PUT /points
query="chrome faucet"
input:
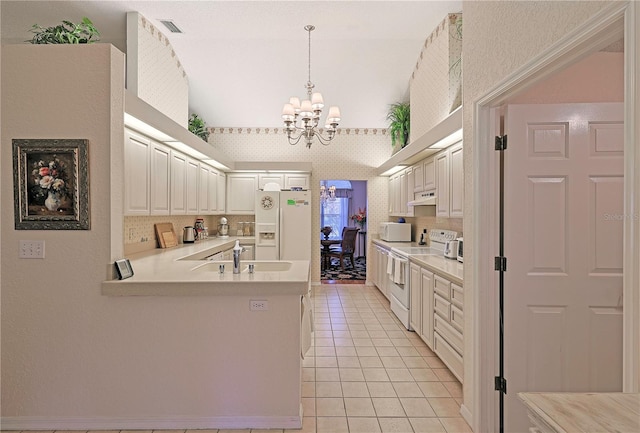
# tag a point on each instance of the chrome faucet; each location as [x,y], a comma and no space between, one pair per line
[237,250]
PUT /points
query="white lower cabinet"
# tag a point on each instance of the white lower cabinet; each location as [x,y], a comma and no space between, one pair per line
[415,318]
[426,288]
[381,260]
[448,324]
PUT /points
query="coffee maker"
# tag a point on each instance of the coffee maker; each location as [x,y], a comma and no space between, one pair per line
[223,228]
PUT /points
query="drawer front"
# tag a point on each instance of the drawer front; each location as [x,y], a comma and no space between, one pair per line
[449,356]
[449,333]
[441,306]
[457,295]
[457,318]
[442,287]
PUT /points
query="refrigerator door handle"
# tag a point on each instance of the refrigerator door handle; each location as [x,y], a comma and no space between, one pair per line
[279,227]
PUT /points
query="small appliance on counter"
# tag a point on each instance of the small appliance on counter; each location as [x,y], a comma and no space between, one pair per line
[460,250]
[223,228]
[423,237]
[451,249]
[395,232]
[189,235]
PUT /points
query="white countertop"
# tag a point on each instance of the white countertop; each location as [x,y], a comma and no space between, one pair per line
[161,272]
[583,412]
[451,269]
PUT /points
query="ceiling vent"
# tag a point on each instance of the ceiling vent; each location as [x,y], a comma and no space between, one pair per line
[171,26]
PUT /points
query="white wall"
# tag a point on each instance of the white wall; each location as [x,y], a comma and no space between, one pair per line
[499,37]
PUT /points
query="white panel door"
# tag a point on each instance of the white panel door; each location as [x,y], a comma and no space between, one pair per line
[563,241]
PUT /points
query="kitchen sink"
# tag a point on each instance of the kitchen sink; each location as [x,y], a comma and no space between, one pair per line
[258,266]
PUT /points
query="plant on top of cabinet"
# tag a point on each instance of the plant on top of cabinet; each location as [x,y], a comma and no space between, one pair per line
[198,127]
[399,123]
[65,33]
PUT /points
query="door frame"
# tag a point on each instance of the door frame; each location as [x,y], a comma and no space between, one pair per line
[602,29]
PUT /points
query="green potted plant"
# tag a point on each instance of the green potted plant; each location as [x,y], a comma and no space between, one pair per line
[399,123]
[198,127]
[66,33]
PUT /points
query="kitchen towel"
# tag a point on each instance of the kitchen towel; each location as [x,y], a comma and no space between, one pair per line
[390,265]
[398,270]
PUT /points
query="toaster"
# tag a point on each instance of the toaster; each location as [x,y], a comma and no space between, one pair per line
[451,249]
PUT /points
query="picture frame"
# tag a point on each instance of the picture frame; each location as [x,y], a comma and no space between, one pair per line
[124,269]
[51,184]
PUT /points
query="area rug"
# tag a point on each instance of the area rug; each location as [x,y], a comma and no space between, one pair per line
[335,273]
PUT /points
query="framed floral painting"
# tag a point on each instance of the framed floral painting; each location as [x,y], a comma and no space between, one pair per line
[51,184]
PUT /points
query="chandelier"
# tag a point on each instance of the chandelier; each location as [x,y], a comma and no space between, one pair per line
[302,119]
[327,195]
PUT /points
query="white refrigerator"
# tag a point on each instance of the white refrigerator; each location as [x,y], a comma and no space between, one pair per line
[283,225]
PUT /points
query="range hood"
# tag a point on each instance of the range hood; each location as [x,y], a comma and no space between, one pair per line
[423,199]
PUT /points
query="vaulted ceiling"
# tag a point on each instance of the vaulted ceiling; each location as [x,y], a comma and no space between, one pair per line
[244,59]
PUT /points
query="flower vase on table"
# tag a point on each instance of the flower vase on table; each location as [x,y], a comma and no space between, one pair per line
[360,218]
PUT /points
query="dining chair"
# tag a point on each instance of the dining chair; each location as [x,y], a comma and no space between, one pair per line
[347,246]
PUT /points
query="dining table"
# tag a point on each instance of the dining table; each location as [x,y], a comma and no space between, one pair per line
[326,249]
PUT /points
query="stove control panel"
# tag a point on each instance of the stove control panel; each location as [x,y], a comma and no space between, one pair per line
[442,236]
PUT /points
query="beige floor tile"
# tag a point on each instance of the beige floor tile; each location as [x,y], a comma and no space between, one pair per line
[329,406]
[375,327]
[340,327]
[362,342]
[263,431]
[343,342]
[346,351]
[328,374]
[118,431]
[433,389]
[381,389]
[341,334]
[332,424]
[351,375]
[407,351]
[309,360]
[399,375]
[455,425]
[414,362]
[375,375]
[395,425]
[328,389]
[355,389]
[326,361]
[378,334]
[454,388]
[401,342]
[423,374]
[444,375]
[308,374]
[363,425]
[427,425]
[392,362]
[425,351]
[417,407]
[326,351]
[366,351]
[407,389]
[309,389]
[219,431]
[348,362]
[357,327]
[359,406]
[388,407]
[387,351]
[324,342]
[360,334]
[308,425]
[382,342]
[434,362]
[323,334]
[309,406]
[370,362]
[444,407]
[126,431]
[321,326]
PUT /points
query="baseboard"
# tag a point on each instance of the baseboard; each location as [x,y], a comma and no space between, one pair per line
[151,423]
[466,414]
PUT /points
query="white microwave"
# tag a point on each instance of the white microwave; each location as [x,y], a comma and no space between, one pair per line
[395,232]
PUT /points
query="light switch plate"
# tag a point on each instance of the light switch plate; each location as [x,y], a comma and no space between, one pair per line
[31,250]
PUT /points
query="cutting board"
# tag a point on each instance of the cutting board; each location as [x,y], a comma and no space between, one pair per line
[166,235]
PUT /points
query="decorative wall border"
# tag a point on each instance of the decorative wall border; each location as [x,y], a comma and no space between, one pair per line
[433,36]
[147,26]
[274,131]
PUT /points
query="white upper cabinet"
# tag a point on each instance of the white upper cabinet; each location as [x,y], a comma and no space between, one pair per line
[222,194]
[418,177]
[456,185]
[160,182]
[193,171]
[442,184]
[241,192]
[213,190]
[429,179]
[296,180]
[137,174]
[178,183]
[203,189]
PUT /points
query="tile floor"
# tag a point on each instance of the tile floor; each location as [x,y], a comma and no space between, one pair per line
[365,373]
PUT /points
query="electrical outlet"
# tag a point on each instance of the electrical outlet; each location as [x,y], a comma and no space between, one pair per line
[31,250]
[259,305]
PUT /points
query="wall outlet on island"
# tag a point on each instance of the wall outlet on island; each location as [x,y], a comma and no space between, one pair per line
[259,305]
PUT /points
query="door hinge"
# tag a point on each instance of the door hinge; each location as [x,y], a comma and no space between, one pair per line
[500,384]
[501,263]
[501,142]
